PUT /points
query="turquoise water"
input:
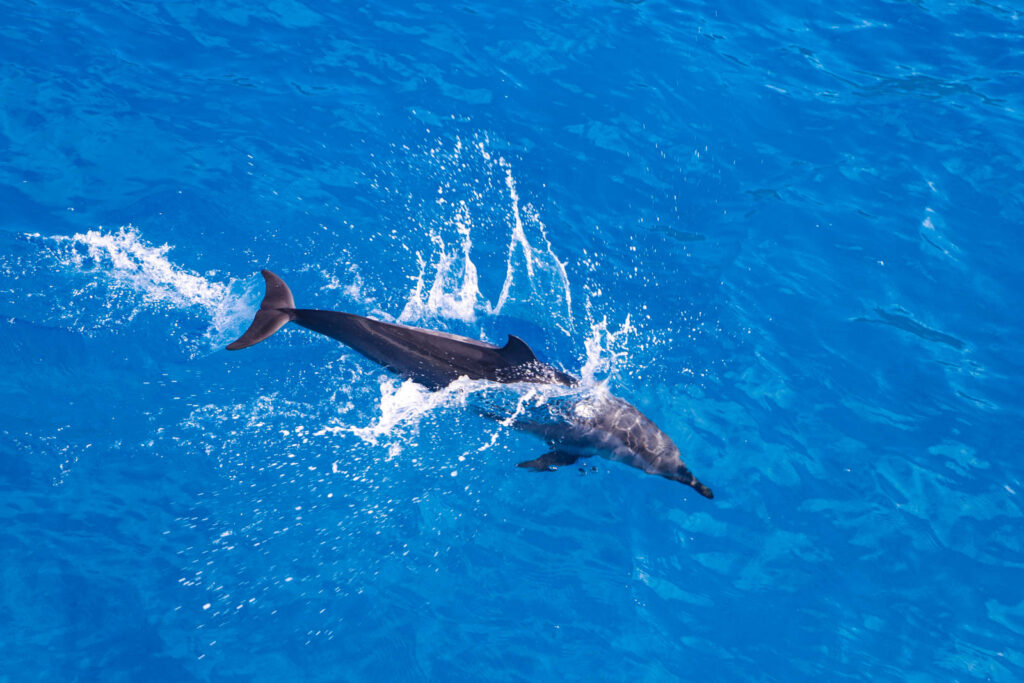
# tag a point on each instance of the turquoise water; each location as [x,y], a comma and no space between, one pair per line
[789,235]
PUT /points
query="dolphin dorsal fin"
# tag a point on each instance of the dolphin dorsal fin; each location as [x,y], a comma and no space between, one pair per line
[516,352]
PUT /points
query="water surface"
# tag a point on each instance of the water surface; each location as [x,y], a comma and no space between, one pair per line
[789,235]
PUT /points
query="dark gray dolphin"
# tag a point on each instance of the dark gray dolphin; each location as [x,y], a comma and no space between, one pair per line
[602,425]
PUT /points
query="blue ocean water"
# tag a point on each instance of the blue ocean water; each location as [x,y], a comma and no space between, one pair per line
[789,233]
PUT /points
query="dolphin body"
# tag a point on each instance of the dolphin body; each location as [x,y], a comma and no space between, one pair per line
[606,426]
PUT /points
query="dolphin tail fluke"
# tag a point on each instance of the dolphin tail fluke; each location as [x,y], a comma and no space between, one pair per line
[277,308]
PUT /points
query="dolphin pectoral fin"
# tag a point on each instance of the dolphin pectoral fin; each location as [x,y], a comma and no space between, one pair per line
[550,461]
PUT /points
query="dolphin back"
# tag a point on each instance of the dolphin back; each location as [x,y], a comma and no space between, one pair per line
[434,359]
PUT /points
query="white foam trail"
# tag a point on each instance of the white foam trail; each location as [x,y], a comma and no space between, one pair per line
[126,261]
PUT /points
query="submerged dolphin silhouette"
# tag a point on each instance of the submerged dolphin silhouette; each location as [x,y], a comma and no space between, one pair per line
[607,425]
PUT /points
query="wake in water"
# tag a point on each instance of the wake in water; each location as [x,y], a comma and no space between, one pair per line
[103,280]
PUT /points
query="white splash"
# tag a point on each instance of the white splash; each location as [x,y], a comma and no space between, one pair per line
[400,402]
[403,404]
[353,288]
[606,351]
[534,260]
[536,281]
[455,290]
[535,287]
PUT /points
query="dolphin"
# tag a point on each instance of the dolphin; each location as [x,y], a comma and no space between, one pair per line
[602,425]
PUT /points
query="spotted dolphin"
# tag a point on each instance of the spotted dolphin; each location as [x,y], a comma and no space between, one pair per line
[599,425]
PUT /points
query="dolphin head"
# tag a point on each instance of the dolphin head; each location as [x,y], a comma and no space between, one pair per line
[626,435]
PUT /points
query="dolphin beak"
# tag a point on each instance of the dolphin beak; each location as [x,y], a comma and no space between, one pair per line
[701,489]
[685,476]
